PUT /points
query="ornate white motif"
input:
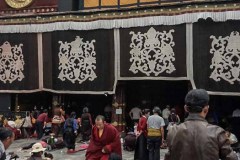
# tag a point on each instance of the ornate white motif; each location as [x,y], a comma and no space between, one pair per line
[226,58]
[11,63]
[152,52]
[77,60]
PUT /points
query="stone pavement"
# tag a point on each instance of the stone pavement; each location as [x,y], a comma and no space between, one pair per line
[59,154]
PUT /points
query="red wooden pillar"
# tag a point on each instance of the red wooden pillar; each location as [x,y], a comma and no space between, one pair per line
[118,105]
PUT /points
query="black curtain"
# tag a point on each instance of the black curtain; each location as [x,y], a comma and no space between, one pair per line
[19,55]
[96,45]
[212,41]
[137,41]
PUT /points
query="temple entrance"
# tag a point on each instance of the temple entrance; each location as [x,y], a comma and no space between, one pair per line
[31,101]
[225,112]
[141,94]
[147,94]
[69,102]
[95,103]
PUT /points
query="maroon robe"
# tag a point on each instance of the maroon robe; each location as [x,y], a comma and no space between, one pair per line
[142,125]
[110,141]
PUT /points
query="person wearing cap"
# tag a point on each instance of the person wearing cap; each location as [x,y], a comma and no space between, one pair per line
[196,138]
[37,152]
[155,134]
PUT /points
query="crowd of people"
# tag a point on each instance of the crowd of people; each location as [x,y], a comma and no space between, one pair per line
[194,139]
[48,125]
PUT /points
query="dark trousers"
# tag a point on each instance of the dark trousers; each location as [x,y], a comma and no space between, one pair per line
[165,128]
[86,131]
[141,151]
[154,144]
[108,117]
[26,132]
[69,138]
[39,129]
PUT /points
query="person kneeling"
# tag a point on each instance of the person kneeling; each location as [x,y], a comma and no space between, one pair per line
[104,141]
[37,152]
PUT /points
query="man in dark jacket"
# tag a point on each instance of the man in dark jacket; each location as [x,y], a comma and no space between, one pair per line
[196,138]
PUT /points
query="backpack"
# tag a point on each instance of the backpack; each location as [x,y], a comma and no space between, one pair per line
[69,125]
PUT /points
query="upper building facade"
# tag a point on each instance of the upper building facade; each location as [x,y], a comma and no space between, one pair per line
[85,47]
[88,46]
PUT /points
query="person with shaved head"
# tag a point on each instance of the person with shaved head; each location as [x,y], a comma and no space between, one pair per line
[104,142]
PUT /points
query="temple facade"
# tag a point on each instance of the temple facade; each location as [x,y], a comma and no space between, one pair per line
[122,53]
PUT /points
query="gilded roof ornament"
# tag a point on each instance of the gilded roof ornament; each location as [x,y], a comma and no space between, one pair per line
[18,3]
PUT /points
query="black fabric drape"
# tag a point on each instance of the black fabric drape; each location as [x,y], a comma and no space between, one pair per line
[29,51]
[178,48]
[203,41]
[103,42]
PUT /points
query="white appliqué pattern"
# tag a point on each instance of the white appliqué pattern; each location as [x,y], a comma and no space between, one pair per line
[226,58]
[152,52]
[11,63]
[77,60]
